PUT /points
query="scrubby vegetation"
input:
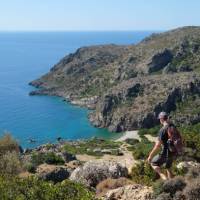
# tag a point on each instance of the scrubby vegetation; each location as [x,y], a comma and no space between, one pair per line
[38,158]
[182,187]
[152,131]
[142,173]
[32,188]
[178,188]
[141,149]
[110,184]
[9,156]
[92,147]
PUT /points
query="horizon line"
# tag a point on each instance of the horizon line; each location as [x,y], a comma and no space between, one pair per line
[136,30]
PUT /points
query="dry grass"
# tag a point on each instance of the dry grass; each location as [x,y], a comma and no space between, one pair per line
[8,144]
[110,184]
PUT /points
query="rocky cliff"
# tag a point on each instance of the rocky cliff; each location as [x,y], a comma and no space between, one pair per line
[127,86]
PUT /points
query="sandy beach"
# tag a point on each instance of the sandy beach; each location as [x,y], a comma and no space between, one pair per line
[129,134]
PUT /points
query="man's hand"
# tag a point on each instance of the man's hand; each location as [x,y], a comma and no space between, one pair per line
[149,159]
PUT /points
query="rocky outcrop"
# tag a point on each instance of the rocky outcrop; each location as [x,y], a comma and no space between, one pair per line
[187,165]
[53,173]
[93,172]
[130,192]
[127,86]
[120,112]
[160,60]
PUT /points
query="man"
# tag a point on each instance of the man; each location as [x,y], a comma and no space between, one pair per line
[165,156]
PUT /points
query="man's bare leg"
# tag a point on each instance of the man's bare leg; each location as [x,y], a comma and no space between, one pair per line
[158,170]
[169,174]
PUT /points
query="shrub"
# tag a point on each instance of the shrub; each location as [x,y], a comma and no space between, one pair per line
[109,184]
[88,146]
[132,141]
[40,158]
[10,163]
[152,131]
[192,191]
[193,173]
[52,158]
[30,167]
[143,173]
[158,187]
[32,188]
[141,150]
[7,143]
[37,158]
[173,185]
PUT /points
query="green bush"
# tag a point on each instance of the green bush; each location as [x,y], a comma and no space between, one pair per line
[30,167]
[37,158]
[52,158]
[152,131]
[141,149]
[191,136]
[88,146]
[132,141]
[32,188]
[49,158]
[143,173]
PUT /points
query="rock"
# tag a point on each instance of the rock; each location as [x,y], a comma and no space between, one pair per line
[97,150]
[93,172]
[129,192]
[160,60]
[106,151]
[186,165]
[67,157]
[73,164]
[53,173]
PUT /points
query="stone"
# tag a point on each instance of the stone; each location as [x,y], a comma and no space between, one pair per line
[130,192]
[67,157]
[93,172]
[53,173]
[186,165]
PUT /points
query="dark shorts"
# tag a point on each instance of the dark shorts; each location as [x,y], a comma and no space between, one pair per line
[160,160]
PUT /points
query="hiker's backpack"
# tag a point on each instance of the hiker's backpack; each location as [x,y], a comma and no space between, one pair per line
[175,140]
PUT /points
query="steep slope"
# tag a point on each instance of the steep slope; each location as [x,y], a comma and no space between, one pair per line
[127,86]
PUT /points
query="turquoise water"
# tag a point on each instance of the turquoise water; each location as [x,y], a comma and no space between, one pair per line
[25,56]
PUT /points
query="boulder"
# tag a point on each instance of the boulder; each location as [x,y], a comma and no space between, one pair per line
[186,165]
[53,173]
[93,172]
[130,192]
[67,157]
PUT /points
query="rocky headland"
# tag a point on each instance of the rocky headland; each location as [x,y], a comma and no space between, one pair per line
[127,86]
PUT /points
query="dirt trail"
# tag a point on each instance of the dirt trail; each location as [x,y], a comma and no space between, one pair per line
[126,159]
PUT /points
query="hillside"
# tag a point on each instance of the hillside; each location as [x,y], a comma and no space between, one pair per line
[127,86]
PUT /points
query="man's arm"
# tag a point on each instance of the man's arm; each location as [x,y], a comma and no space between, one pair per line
[155,148]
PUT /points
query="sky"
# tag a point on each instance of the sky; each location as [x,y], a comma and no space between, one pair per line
[97,15]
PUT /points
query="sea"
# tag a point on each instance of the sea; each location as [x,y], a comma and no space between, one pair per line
[25,56]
